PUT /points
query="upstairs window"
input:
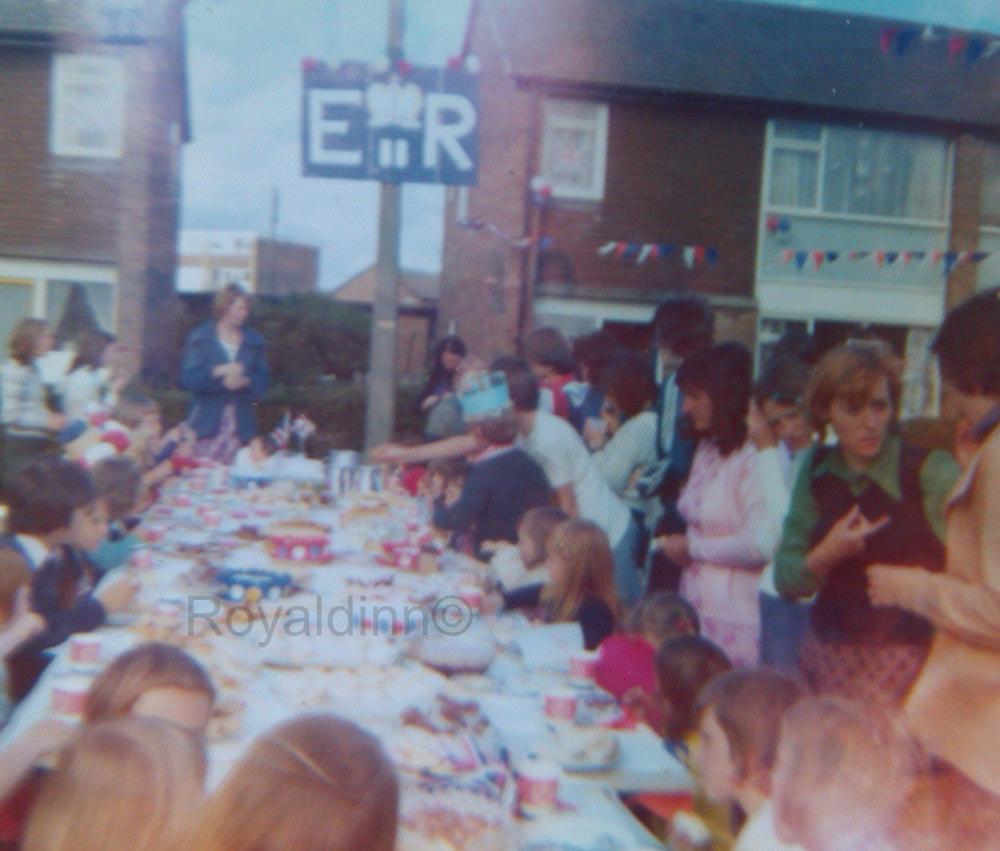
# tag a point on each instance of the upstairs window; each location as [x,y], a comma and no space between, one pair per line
[857,171]
[88,106]
[574,148]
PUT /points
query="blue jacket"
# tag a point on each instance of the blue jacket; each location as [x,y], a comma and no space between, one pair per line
[202,353]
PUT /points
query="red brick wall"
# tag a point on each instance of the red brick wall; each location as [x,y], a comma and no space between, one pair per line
[676,176]
[965,216]
[50,207]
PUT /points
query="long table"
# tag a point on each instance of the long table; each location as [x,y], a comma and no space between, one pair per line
[281,663]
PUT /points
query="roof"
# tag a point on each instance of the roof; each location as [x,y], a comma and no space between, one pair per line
[416,289]
[757,54]
[39,19]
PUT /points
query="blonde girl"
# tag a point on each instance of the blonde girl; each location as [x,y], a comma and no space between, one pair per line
[126,785]
[316,781]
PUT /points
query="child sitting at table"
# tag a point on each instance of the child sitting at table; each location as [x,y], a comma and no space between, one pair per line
[843,774]
[525,563]
[581,587]
[504,481]
[118,482]
[126,785]
[153,680]
[627,660]
[739,722]
[316,781]
[53,507]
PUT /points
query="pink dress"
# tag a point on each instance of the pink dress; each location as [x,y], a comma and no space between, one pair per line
[723,505]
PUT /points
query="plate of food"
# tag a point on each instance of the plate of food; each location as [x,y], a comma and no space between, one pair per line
[581,749]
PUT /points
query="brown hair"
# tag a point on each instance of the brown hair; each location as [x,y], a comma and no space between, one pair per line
[132,408]
[548,347]
[92,348]
[126,785]
[316,781]
[14,575]
[837,757]
[498,430]
[118,481]
[225,297]
[850,373]
[968,345]
[149,666]
[684,664]
[24,338]
[663,614]
[584,549]
[449,469]
[537,525]
[749,705]
[724,372]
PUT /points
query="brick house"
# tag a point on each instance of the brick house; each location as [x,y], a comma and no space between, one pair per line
[93,113]
[208,260]
[752,130]
[418,307]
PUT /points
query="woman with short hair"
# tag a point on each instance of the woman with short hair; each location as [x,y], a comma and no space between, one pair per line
[869,499]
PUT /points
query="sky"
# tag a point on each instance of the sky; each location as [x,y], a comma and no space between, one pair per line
[245,82]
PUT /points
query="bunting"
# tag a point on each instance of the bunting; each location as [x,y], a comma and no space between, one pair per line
[957,46]
[642,252]
[543,243]
[881,258]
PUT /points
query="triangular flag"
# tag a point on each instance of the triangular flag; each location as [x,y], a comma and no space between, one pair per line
[907,256]
[956,44]
[787,255]
[979,256]
[964,257]
[918,255]
[631,250]
[620,249]
[885,40]
[818,259]
[992,50]
[644,253]
[699,254]
[859,255]
[974,50]
[831,256]
[666,249]
[879,258]
[711,256]
[936,257]
[689,256]
[950,258]
[891,257]
[800,258]
[607,248]
[654,251]
[930,34]
[904,38]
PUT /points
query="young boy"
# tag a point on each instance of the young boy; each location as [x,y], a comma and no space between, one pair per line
[739,724]
[52,505]
[504,481]
[118,483]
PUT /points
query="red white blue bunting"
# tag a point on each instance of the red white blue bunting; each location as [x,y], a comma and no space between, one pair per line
[948,260]
[641,252]
[898,41]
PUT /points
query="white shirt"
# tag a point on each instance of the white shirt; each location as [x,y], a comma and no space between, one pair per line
[758,833]
[556,446]
[777,469]
[84,388]
[631,447]
[36,551]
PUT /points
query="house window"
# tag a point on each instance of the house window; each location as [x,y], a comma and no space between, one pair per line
[16,302]
[88,106]
[574,148]
[856,171]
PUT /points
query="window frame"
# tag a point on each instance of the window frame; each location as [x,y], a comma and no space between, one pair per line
[599,127]
[65,71]
[774,142]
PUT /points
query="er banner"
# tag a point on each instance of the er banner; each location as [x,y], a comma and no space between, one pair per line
[417,126]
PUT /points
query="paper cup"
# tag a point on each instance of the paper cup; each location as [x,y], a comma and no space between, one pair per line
[583,665]
[68,694]
[85,648]
[560,705]
[538,787]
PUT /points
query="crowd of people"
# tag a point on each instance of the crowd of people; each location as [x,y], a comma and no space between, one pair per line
[803,603]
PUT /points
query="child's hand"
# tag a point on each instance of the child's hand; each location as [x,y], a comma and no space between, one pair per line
[492,603]
[675,548]
[118,593]
[23,623]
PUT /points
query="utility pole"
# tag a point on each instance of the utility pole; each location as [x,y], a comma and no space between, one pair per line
[380,410]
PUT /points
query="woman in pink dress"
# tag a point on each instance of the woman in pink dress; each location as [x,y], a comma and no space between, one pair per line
[726,544]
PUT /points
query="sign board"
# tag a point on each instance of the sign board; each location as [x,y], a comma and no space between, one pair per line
[421,126]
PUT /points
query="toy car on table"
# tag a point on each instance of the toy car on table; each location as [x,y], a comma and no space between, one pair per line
[248,585]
